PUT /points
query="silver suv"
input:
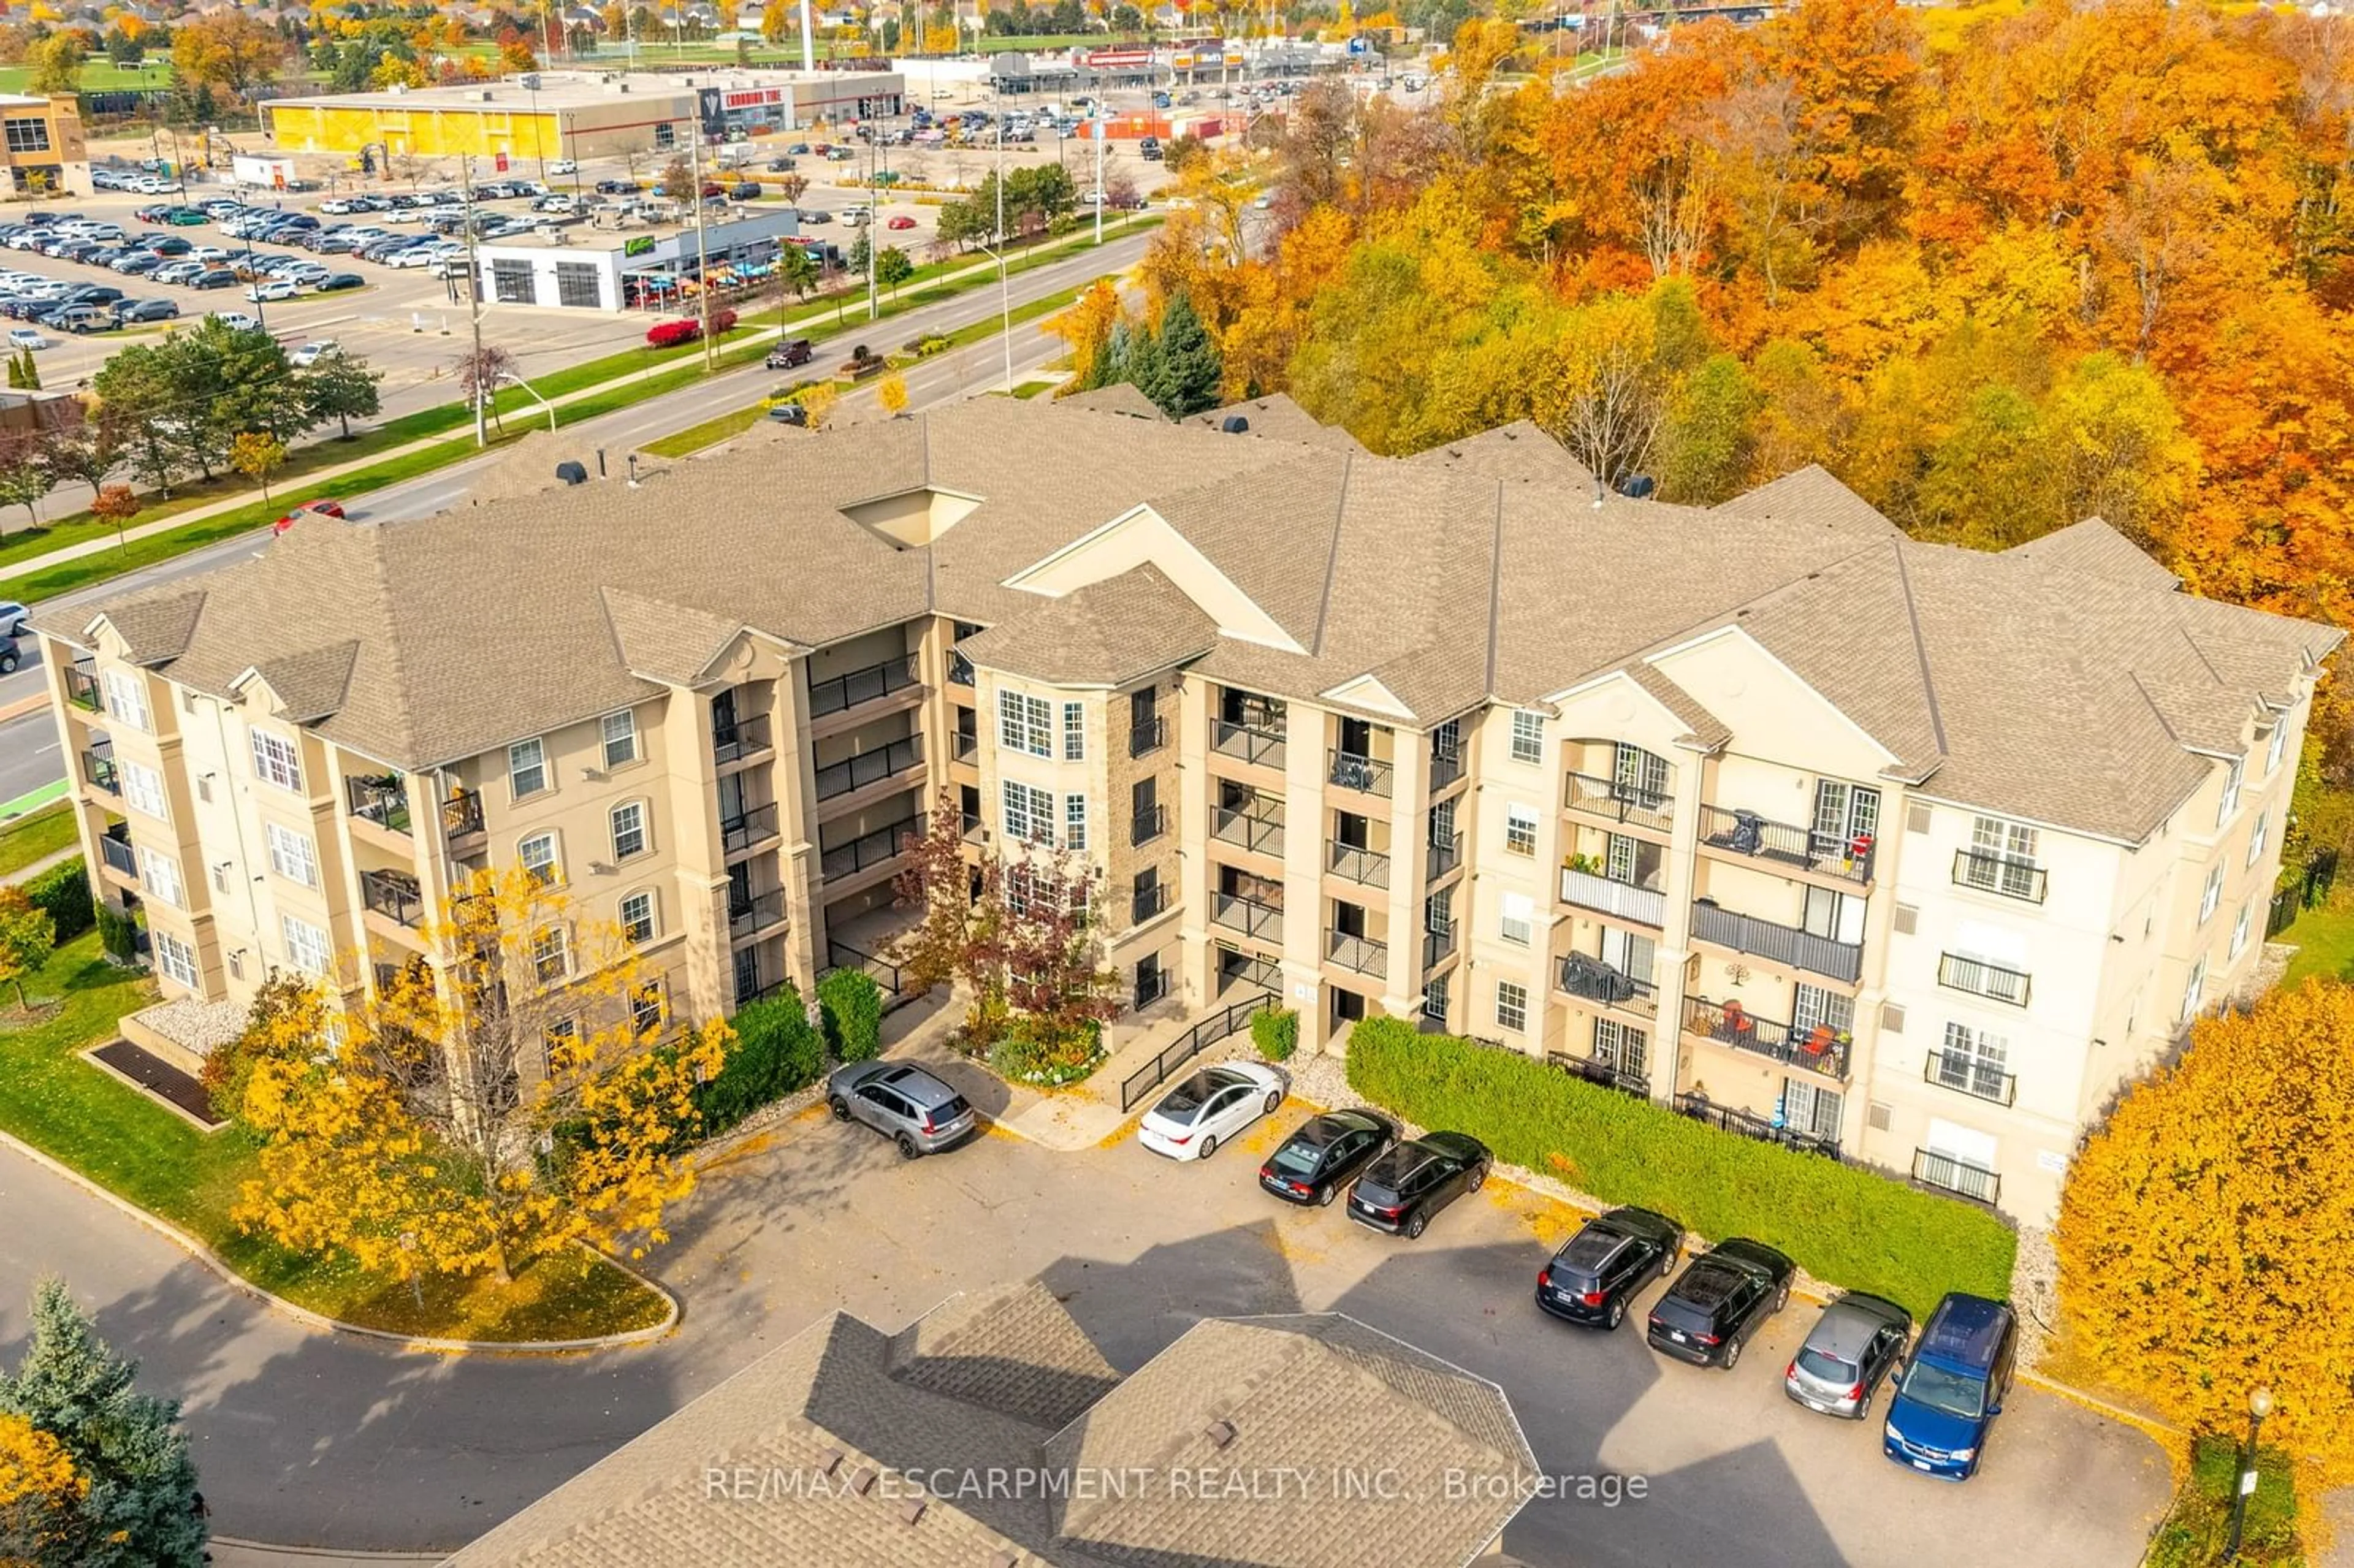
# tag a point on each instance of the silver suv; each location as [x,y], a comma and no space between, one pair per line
[904,1103]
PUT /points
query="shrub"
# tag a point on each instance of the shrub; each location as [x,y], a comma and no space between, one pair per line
[63,891]
[669,335]
[117,933]
[851,1005]
[1275,1032]
[1842,1223]
[723,321]
[775,1052]
[1030,1053]
[2198,1524]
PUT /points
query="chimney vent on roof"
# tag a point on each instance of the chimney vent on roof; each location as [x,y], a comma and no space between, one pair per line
[572,472]
[911,1511]
[833,1457]
[1637,486]
[1234,424]
[1219,1432]
[862,1480]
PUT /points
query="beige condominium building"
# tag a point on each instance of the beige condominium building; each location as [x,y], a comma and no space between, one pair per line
[1899,850]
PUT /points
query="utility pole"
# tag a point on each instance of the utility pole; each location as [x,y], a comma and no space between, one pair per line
[702,252]
[474,300]
[873,195]
[1097,125]
[1005,283]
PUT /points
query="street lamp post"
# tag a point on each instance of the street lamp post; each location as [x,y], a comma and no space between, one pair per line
[2260,1405]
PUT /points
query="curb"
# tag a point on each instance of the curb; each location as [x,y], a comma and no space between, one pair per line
[22,706]
[325,1553]
[320,1320]
[2166,1435]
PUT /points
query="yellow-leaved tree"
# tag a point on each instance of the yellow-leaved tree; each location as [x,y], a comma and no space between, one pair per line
[524,1093]
[2203,1232]
[39,1493]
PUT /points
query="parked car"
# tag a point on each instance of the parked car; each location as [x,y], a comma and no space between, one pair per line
[1720,1299]
[335,282]
[78,319]
[271,289]
[236,320]
[902,222]
[787,354]
[563,166]
[27,337]
[1858,1340]
[616,187]
[1400,1192]
[744,190]
[9,656]
[185,217]
[166,244]
[815,214]
[1210,1107]
[323,506]
[1604,1265]
[219,278]
[310,353]
[1315,1162]
[147,310]
[15,619]
[789,414]
[137,263]
[1952,1388]
[902,1102]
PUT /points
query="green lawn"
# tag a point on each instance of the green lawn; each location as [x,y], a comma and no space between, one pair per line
[709,433]
[1032,389]
[98,73]
[117,1137]
[35,836]
[2325,944]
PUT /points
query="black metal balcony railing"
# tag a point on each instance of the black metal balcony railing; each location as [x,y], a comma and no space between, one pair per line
[873,849]
[1959,1177]
[1247,969]
[1619,802]
[1782,944]
[1355,771]
[99,767]
[748,827]
[82,688]
[1437,946]
[2020,879]
[757,913]
[1590,978]
[1982,978]
[119,855]
[1746,832]
[1748,1124]
[1818,1048]
[975,829]
[1971,1075]
[384,801]
[959,669]
[1445,767]
[1259,748]
[842,692]
[1443,857]
[1608,1074]
[393,895]
[739,738]
[1149,824]
[1362,954]
[1248,915]
[967,745]
[1365,867]
[855,773]
[462,816]
[1249,831]
[750,988]
[1148,737]
[1151,985]
[1144,903]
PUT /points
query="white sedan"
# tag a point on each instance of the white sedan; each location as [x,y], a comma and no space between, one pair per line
[273,289]
[1209,1107]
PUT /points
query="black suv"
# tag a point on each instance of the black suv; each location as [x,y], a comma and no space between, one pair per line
[1714,1307]
[1598,1270]
[1317,1161]
[1400,1192]
[790,352]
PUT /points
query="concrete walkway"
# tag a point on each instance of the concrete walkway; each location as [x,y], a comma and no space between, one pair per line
[26,874]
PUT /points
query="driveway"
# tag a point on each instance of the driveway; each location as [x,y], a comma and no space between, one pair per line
[306,1438]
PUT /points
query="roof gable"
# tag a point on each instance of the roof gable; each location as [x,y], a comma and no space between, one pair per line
[1142,537]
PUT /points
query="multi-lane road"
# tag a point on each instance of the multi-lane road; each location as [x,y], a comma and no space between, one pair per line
[28,754]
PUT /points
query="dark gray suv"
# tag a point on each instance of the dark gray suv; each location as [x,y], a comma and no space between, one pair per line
[904,1103]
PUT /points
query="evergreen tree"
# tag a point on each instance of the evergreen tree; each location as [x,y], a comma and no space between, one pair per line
[1111,365]
[140,1510]
[31,373]
[1181,370]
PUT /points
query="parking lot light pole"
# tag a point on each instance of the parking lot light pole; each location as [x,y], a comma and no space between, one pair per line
[2260,1405]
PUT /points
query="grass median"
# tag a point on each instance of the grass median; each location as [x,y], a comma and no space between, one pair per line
[112,1134]
[35,837]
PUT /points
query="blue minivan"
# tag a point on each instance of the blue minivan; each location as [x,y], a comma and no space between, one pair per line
[1952,1388]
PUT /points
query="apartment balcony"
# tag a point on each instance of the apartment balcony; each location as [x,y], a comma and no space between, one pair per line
[1250,831]
[1589,979]
[959,669]
[1148,737]
[1784,945]
[1147,902]
[118,857]
[1355,771]
[1748,1124]
[1746,833]
[1365,867]
[1439,858]
[1260,922]
[384,801]
[1152,986]
[2020,879]
[968,746]
[1608,801]
[1982,978]
[1446,765]
[976,832]
[1362,955]
[1958,1177]
[1250,972]
[754,916]
[1818,1048]
[857,689]
[81,687]
[1606,1075]
[870,850]
[1243,743]
[1643,906]
[98,767]
[855,773]
[734,740]
[756,825]
[395,896]
[1149,825]
[1969,1074]
[461,822]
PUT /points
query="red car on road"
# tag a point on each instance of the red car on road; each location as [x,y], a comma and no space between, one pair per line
[902,222]
[325,506]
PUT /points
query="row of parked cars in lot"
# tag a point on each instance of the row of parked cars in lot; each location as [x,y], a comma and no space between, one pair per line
[158,256]
[1947,1383]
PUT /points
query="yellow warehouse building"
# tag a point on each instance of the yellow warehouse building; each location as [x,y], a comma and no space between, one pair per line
[529,117]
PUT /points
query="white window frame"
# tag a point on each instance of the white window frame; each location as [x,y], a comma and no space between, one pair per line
[1074,822]
[551,954]
[292,855]
[2275,747]
[2002,857]
[277,760]
[1528,736]
[160,874]
[1075,732]
[1434,998]
[636,811]
[625,737]
[2240,928]
[2233,775]
[1029,812]
[2210,894]
[535,747]
[1520,829]
[2193,992]
[126,699]
[2257,835]
[653,921]
[652,997]
[142,790]
[176,958]
[306,946]
[1517,918]
[1512,1006]
[549,873]
[1025,724]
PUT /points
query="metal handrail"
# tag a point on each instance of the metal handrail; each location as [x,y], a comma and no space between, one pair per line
[840,694]
[1848,857]
[118,855]
[748,827]
[1584,976]
[1362,954]
[382,801]
[101,772]
[842,955]
[1355,771]
[872,849]
[1148,737]
[396,897]
[1259,748]
[1644,905]
[1970,1075]
[1217,1026]
[461,814]
[1979,978]
[1144,903]
[739,738]
[1445,767]
[1818,1048]
[757,913]
[854,773]
[1787,944]
[1958,1177]
[1366,867]
[81,687]
[1248,915]
[1619,802]
[2020,879]
[1258,835]
[1748,1124]
[1440,859]
[1149,825]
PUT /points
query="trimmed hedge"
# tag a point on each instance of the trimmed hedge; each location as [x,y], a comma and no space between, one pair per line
[1275,1032]
[851,1005]
[1843,1225]
[776,1053]
[63,891]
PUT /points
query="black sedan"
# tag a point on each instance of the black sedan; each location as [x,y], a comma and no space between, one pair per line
[335,282]
[1400,1192]
[145,311]
[1317,1160]
[1600,1269]
[1715,1305]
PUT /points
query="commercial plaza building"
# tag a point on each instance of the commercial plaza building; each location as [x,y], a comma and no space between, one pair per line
[41,139]
[1765,810]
